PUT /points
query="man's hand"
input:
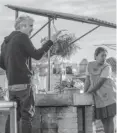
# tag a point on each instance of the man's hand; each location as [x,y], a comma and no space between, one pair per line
[54,37]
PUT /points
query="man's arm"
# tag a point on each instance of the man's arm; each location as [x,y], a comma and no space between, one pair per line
[31,50]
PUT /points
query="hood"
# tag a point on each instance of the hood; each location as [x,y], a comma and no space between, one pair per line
[8,38]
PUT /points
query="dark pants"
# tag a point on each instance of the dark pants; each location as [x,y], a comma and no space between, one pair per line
[25,110]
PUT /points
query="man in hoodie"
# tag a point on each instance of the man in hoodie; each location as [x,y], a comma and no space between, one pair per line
[15,53]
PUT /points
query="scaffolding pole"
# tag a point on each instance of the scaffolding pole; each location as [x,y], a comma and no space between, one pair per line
[49,36]
[16,14]
[40,29]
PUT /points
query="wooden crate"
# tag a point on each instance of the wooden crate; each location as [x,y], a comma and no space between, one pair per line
[45,100]
[82,99]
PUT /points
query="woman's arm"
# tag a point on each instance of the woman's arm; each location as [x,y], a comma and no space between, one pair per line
[98,85]
[87,83]
[105,75]
[87,80]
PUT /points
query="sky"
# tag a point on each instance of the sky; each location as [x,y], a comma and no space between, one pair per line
[101,9]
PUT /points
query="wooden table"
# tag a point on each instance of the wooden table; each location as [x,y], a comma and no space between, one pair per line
[63,113]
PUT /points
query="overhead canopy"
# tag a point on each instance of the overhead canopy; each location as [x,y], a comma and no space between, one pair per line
[53,14]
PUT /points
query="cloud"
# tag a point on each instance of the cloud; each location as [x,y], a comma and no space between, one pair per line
[9,18]
[13,2]
[68,1]
[81,7]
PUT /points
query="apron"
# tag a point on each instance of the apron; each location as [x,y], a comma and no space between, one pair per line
[106,95]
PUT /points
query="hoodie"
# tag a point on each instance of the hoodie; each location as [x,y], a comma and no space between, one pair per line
[16,50]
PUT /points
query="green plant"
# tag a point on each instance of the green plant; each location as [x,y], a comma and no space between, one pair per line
[63,46]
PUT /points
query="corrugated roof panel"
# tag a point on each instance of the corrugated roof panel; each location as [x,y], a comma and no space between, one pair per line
[53,14]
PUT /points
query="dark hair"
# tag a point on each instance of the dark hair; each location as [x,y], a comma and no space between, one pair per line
[98,51]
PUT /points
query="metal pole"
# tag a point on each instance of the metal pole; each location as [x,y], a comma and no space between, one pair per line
[16,14]
[85,34]
[13,112]
[49,36]
[30,61]
[40,29]
[13,120]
